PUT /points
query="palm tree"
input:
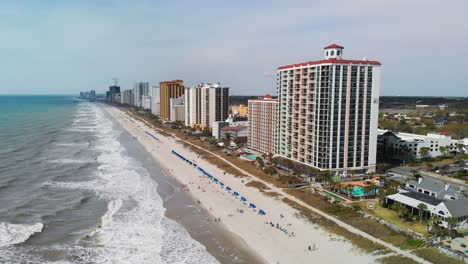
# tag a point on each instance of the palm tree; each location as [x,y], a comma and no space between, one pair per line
[424,152]
[270,156]
[443,150]
[460,147]
[260,162]
[452,223]
[366,190]
[349,190]
[422,207]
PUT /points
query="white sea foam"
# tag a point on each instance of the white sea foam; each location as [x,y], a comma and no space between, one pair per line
[69,161]
[81,130]
[134,228]
[84,144]
[179,247]
[11,234]
[80,185]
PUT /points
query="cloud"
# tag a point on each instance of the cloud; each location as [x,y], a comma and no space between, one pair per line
[63,48]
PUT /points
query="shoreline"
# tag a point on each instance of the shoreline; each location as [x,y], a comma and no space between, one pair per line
[181,207]
[261,233]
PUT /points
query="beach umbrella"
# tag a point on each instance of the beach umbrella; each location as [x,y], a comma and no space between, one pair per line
[252,205]
[236,193]
[261,212]
[243,199]
[215,180]
[222,184]
[228,188]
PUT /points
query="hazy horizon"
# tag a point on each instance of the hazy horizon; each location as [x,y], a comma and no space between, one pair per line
[71,46]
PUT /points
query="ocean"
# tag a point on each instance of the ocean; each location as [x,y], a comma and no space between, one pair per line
[73,190]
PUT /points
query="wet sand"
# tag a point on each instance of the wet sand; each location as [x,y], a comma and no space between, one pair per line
[225,246]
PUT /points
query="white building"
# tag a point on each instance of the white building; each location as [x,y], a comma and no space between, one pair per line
[218,125]
[441,200]
[205,104]
[146,102]
[127,97]
[262,120]
[139,90]
[406,146]
[328,112]
[177,108]
[155,102]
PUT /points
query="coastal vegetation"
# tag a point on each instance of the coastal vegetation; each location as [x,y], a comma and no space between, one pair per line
[396,259]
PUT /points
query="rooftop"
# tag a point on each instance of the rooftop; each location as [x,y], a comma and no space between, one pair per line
[334,46]
[234,128]
[331,61]
[267,97]
[437,187]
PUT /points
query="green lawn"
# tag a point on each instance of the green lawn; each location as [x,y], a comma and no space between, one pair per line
[392,217]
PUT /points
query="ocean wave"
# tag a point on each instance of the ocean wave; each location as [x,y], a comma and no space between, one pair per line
[70,161]
[84,144]
[133,229]
[79,185]
[179,247]
[11,234]
[80,130]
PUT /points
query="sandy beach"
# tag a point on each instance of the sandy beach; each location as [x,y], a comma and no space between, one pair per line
[280,236]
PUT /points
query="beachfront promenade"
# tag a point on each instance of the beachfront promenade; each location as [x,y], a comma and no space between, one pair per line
[315,210]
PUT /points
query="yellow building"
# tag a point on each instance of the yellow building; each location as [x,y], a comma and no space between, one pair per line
[240,110]
[168,90]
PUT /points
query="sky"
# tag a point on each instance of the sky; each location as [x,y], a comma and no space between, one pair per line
[66,46]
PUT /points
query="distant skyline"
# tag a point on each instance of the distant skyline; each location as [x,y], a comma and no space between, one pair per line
[64,47]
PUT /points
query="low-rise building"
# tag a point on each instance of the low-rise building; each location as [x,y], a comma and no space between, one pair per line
[218,125]
[127,97]
[441,200]
[406,146]
[239,110]
[116,98]
[177,106]
[146,102]
[234,133]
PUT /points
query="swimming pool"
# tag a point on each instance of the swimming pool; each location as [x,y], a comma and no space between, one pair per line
[358,191]
[251,156]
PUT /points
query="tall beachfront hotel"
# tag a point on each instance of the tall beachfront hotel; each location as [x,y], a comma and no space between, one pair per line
[168,90]
[262,120]
[206,103]
[328,111]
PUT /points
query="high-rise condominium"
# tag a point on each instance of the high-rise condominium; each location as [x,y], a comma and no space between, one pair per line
[262,119]
[205,104]
[168,90]
[140,90]
[328,111]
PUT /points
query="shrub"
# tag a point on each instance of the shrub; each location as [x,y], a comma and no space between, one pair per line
[269,170]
